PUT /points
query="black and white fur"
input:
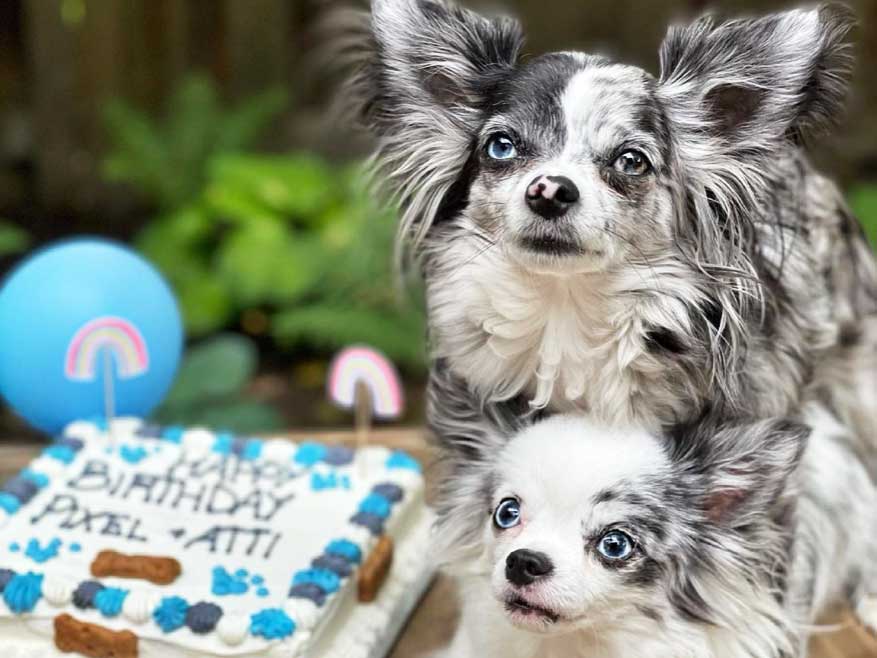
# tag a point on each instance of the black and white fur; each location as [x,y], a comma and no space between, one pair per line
[737,542]
[731,273]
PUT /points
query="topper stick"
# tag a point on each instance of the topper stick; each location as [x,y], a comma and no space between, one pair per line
[363,409]
[109,392]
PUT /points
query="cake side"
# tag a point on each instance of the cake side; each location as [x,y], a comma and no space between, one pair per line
[268,535]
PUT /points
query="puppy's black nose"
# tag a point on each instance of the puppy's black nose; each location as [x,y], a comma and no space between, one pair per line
[523,566]
[551,197]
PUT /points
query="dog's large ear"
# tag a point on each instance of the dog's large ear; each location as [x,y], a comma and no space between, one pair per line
[751,82]
[739,470]
[424,78]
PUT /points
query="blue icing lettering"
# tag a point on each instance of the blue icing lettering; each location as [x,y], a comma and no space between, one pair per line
[309,453]
[376,504]
[346,549]
[133,454]
[23,591]
[40,554]
[252,450]
[323,481]
[326,580]
[171,614]
[400,459]
[257,580]
[271,624]
[9,503]
[223,443]
[60,453]
[15,547]
[39,479]
[109,601]
[202,617]
[262,592]
[173,433]
[225,584]
[75,547]
[242,573]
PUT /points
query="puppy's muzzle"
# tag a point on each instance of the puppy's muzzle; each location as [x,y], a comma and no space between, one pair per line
[551,197]
[524,567]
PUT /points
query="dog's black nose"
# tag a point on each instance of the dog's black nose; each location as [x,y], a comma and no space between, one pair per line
[551,196]
[524,566]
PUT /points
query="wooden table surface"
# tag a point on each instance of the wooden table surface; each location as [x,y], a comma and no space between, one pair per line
[432,624]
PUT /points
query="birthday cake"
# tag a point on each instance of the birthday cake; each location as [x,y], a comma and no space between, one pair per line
[136,540]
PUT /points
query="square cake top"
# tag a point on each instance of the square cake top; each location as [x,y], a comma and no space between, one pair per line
[200,540]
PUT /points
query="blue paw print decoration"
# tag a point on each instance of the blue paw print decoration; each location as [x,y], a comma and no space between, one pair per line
[237,583]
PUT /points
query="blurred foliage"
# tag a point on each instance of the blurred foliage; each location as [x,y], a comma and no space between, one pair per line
[13,240]
[863,199]
[210,389]
[289,248]
[167,160]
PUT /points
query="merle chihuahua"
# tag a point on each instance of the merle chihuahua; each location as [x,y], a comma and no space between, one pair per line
[595,238]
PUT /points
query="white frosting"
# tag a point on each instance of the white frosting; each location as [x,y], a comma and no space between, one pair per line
[57,589]
[233,629]
[138,606]
[213,512]
[81,429]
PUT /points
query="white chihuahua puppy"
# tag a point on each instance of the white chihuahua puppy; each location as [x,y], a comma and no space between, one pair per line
[715,542]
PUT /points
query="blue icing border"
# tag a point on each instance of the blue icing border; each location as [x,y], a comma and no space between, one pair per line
[171,613]
[109,601]
[271,624]
[23,591]
[346,549]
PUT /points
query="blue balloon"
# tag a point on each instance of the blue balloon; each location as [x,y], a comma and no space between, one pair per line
[80,314]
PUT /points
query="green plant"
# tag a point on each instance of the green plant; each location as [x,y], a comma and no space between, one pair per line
[13,240]
[294,241]
[210,389]
[166,159]
[863,199]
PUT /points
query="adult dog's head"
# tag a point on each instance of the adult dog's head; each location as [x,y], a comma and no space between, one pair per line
[571,162]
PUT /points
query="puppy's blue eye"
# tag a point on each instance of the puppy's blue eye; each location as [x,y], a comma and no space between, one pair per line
[501,147]
[632,163]
[615,545]
[507,514]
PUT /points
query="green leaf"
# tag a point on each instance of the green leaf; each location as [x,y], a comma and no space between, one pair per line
[261,263]
[205,303]
[218,368]
[243,125]
[13,240]
[400,337]
[863,200]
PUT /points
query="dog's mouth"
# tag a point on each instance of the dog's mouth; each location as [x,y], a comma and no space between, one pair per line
[552,246]
[522,611]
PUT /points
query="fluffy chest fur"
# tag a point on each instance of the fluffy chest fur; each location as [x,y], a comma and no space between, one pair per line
[618,344]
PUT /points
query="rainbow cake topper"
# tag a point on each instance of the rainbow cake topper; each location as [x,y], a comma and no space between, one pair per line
[364,368]
[113,335]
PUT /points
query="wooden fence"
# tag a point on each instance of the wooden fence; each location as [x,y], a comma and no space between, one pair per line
[61,59]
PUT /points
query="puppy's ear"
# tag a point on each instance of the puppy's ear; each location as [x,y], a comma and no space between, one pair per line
[741,470]
[424,78]
[752,82]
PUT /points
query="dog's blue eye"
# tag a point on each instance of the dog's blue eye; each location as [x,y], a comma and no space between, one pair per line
[507,514]
[632,163]
[615,545]
[501,147]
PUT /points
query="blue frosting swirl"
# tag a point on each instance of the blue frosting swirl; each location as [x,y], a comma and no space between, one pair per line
[346,549]
[376,504]
[109,601]
[171,613]
[202,617]
[326,580]
[309,453]
[83,596]
[23,591]
[271,624]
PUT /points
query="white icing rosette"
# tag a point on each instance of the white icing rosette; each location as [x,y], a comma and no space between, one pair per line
[82,429]
[410,480]
[303,612]
[57,590]
[125,426]
[233,628]
[139,606]
[198,442]
[278,451]
[47,466]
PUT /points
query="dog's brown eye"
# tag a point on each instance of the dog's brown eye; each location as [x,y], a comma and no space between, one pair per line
[632,163]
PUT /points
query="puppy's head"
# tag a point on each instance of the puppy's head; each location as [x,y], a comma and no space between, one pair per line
[570,162]
[588,527]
